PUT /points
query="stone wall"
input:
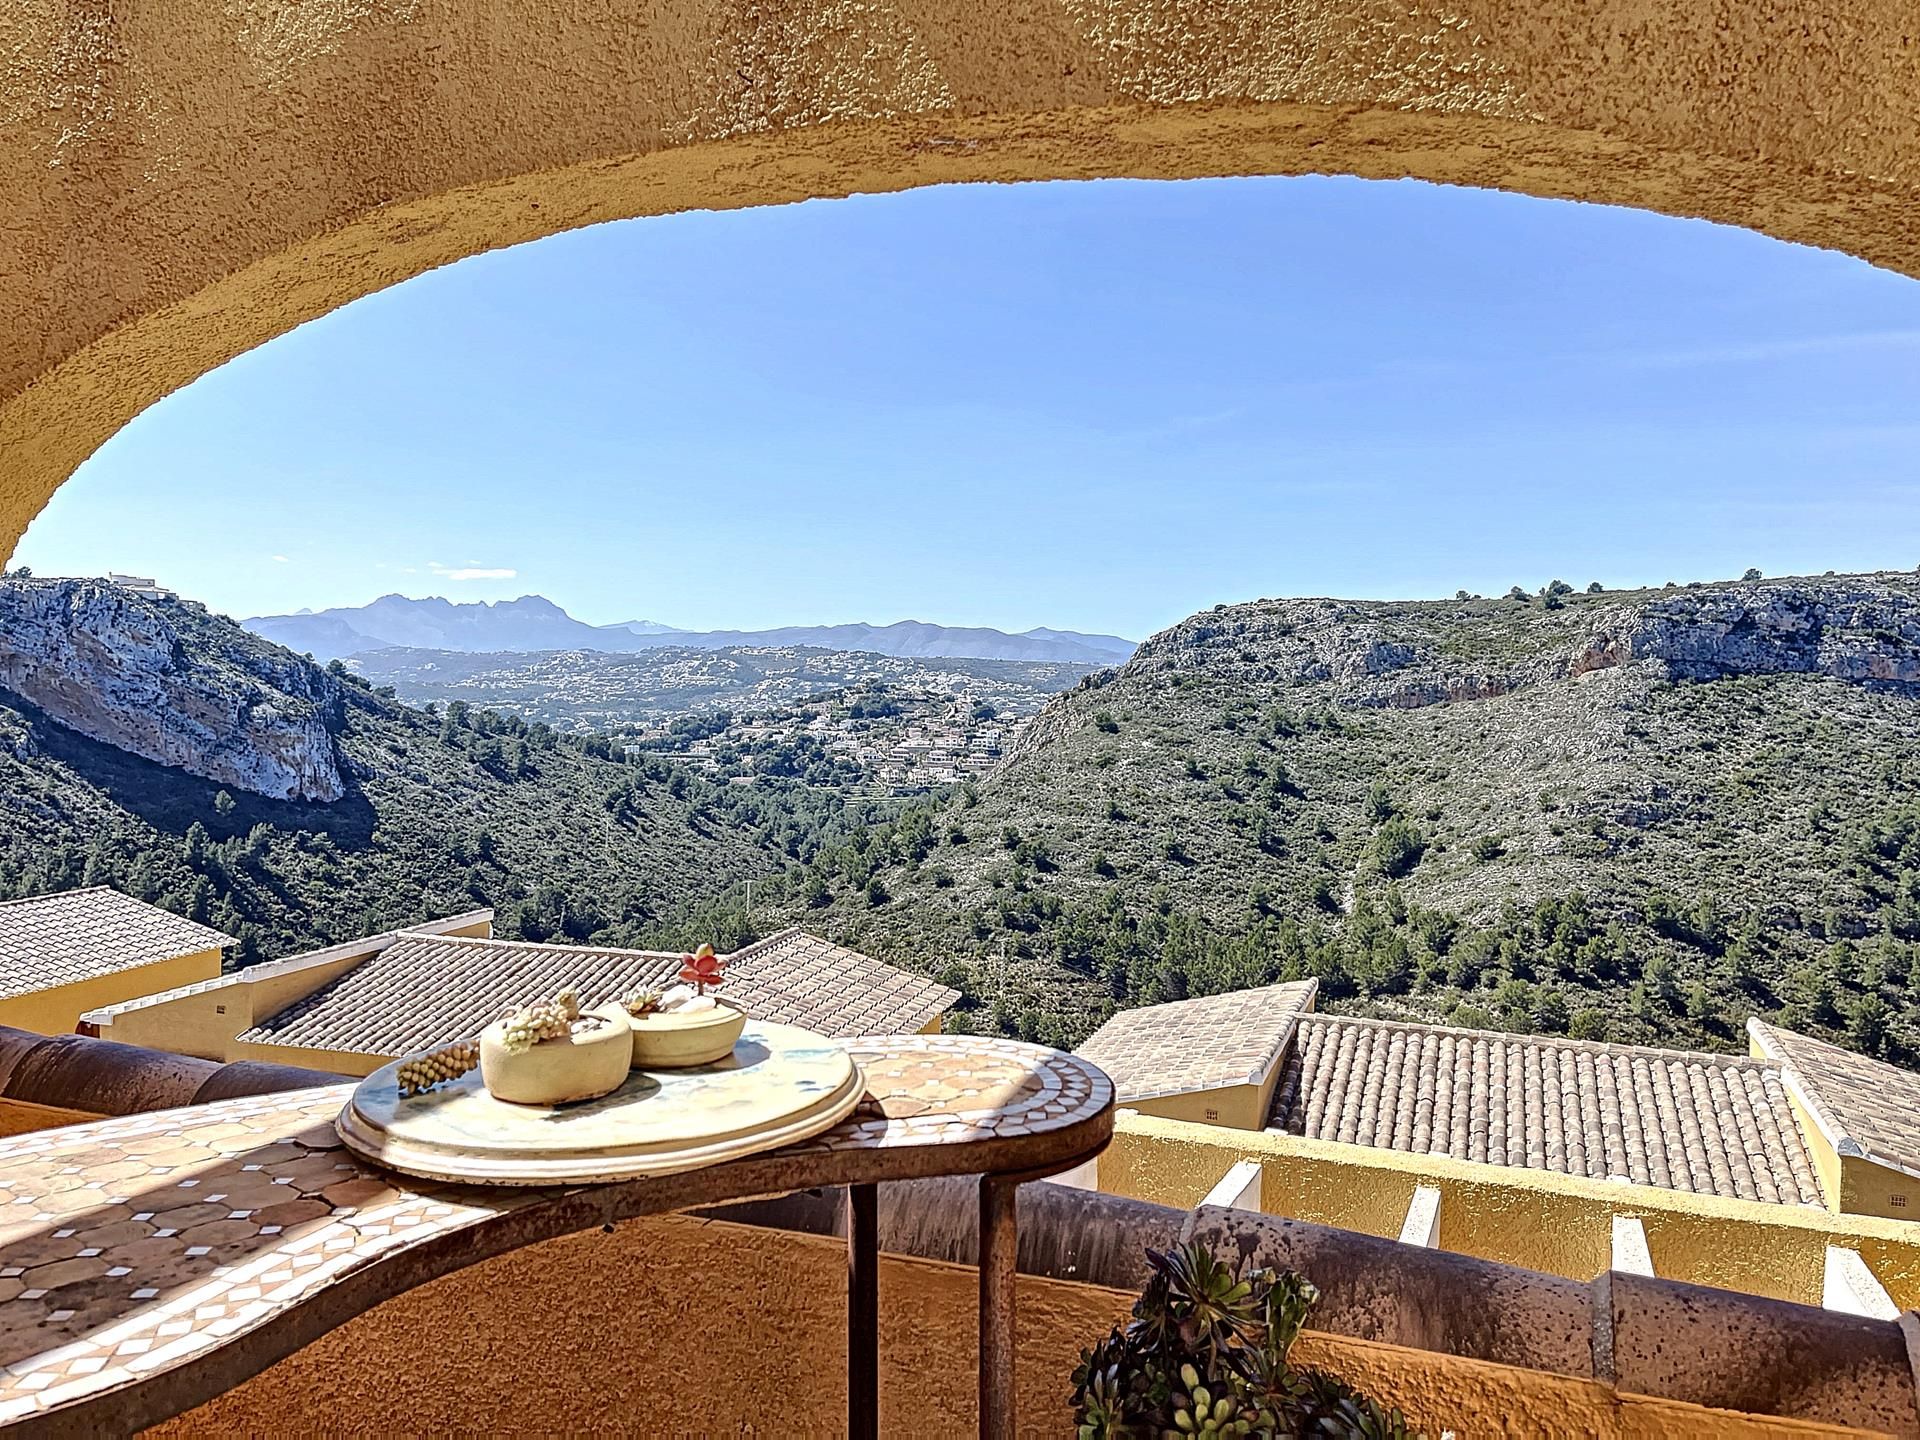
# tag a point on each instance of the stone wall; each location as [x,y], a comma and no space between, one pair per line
[183,181]
[680,1325]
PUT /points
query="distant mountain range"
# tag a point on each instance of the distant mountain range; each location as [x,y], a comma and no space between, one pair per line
[534,623]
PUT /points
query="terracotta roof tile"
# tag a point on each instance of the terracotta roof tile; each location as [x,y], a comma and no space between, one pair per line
[52,940]
[286,965]
[794,978]
[425,991]
[1873,1105]
[1712,1124]
[1204,1043]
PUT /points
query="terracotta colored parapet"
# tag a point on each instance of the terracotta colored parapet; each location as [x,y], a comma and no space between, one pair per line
[1637,1334]
[101,1077]
[1633,1335]
[259,1077]
[1065,1233]
[1744,1352]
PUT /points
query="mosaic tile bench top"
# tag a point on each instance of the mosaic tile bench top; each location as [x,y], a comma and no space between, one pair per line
[152,1244]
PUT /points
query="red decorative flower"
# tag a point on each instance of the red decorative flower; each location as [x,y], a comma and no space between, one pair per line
[701,969]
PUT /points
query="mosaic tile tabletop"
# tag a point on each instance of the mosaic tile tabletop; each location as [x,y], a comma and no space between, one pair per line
[132,1246]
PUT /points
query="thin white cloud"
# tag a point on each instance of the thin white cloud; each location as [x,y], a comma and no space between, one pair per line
[1783,349]
[280,560]
[472,570]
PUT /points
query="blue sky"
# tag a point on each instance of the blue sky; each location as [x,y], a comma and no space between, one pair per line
[1092,406]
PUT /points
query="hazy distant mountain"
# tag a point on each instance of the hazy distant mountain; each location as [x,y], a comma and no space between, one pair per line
[310,634]
[916,639]
[1112,645]
[529,623]
[533,623]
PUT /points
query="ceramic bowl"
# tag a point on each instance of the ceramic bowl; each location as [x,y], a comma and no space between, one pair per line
[555,1072]
[670,1039]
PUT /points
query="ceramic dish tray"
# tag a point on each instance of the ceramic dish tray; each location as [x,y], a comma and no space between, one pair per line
[780,1085]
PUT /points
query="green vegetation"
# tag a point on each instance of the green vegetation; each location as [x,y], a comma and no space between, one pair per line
[1472,810]
[561,834]
[594,690]
[1615,856]
[1207,1354]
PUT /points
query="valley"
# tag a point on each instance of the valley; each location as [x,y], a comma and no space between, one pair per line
[597,690]
[1637,816]
[535,623]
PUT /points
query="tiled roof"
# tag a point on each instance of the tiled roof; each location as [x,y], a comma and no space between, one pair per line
[425,991]
[53,940]
[799,979]
[1712,1124]
[286,965]
[1206,1043]
[1868,1107]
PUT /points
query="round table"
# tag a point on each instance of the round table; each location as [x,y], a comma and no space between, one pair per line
[151,1262]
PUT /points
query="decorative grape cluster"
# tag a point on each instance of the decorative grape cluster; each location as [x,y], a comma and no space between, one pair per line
[423,1072]
[642,1002]
[553,1019]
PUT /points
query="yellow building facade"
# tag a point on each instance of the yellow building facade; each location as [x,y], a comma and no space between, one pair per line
[57,1009]
[65,954]
[208,1020]
[1787,1174]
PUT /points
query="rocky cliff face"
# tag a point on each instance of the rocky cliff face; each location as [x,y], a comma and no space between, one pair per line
[1864,629]
[163,680]
[1850,629]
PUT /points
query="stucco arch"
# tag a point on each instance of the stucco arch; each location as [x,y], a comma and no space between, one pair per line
[184,179]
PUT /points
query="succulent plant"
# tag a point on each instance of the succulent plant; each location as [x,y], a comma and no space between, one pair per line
[526,1027]
[423,1072]
[1209,1304]
[1205,1355]
[1203,1410]
[642,1002]
[701,969]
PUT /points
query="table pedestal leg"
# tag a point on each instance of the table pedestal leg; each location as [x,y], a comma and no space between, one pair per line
[863,1312]
[999,1246]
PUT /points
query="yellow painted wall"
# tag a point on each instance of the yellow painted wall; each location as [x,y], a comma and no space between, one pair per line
[1532,1218]
[1852,1185]
[19,1117]
[680,1326]
[57,1011]
[206,1022]
[1243,1107]
[1870,1189]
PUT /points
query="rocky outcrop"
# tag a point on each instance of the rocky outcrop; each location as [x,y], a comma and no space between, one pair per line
[1846,628]
[1862,629]
[162,679]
